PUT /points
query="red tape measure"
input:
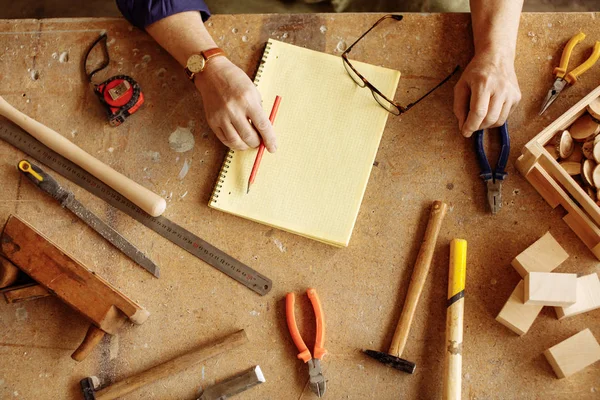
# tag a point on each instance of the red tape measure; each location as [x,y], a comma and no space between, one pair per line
[121,95]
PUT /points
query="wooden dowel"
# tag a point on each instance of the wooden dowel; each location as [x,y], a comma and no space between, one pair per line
[417,280]
[144,198]
[454,320]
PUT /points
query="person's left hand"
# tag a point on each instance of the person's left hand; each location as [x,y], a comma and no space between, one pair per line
[486,92]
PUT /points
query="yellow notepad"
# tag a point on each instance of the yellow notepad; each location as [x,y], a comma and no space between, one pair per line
[328,131]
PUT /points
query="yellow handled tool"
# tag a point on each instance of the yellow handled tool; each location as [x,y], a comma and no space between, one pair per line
[454,320]
[562,77]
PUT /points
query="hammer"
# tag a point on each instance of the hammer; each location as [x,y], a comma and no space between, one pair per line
[90,385]
[417,281]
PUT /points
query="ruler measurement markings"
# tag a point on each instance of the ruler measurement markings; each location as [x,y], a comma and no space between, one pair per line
[161,225]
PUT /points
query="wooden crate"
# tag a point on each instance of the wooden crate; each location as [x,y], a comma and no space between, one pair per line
[557,187]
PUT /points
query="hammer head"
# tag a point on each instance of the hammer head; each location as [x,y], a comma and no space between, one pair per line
[392,361]
[89,386]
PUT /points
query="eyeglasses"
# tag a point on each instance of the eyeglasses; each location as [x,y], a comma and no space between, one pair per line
[389,105]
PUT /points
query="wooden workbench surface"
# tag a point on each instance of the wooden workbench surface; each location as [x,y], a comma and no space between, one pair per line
[421,158]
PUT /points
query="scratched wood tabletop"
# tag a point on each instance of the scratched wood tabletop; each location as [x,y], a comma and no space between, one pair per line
[421,158]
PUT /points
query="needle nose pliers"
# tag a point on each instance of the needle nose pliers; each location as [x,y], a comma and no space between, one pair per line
[562,77]
[493,179]
[315,375]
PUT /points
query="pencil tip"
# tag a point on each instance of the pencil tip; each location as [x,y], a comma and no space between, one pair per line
[248,190]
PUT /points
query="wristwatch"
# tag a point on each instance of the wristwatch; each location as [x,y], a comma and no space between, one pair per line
[197,62]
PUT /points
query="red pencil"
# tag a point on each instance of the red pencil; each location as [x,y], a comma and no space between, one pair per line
[261,148]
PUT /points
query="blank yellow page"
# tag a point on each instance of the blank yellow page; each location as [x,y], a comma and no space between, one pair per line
[328,131]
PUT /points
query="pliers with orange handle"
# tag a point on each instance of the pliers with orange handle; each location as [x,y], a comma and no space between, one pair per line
[562,77]
[316,379]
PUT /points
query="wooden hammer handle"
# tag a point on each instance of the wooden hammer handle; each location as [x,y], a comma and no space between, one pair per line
[148,201]
[172,366]
[417,281]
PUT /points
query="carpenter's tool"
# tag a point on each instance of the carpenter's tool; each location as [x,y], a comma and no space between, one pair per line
[90,386]
[67,199]
[8,273]
[417,281]
[316,379]
[234,385]
[120,95]
[145,199]
[206,252]
[454,320]
[493,179]
[562,77]
[102,304]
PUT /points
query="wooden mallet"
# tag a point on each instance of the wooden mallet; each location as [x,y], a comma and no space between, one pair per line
[417,281]
[144,198]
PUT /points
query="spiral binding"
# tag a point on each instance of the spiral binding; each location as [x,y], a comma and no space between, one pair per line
[261,66]
[229,156]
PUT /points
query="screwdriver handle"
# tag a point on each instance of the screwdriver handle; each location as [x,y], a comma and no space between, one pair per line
[44,181]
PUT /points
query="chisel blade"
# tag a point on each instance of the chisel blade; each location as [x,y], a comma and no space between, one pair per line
[234,385]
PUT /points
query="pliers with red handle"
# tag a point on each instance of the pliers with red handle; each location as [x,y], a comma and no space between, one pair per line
[316,379]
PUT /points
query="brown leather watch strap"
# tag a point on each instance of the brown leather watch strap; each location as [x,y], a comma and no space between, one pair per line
[210,53]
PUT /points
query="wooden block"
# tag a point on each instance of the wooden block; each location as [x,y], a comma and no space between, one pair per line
[584,128]
[588,297]
[550,289]
[573,354]
[68,279]
[542,256]
[517,316]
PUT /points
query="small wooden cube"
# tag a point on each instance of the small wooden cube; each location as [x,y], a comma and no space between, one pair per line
[515,315]
[550,289]
[542,256]
[573,354]
[588,297]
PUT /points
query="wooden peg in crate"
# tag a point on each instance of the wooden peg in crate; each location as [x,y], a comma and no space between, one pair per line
[69,280]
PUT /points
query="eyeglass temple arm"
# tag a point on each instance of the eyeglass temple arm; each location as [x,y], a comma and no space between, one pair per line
[446,79]
[394,16]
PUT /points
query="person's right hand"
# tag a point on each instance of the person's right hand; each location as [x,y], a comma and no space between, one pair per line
[486,92]
[230,101]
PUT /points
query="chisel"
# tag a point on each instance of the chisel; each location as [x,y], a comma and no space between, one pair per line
[234,385]
[67,200]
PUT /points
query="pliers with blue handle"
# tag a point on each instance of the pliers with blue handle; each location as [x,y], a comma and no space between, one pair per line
[493,179]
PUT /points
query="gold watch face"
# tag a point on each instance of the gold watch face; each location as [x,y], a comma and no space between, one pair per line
[196,63]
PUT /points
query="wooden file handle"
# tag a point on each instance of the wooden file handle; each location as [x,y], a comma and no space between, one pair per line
[148,201]
[93,336]
[172,366]
[417,280]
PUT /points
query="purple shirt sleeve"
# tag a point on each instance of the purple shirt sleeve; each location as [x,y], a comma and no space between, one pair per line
[142,13]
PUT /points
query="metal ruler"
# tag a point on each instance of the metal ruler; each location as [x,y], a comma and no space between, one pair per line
[208,253]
